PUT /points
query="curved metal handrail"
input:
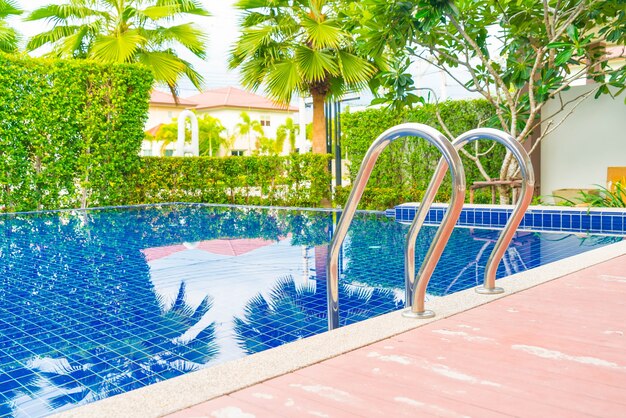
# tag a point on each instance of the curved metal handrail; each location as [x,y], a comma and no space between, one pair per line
[450,155]
[528,183]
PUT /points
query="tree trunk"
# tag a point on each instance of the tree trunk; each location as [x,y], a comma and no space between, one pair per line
[319,124]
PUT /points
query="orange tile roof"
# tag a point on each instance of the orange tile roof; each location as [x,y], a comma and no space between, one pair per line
[153,131]
[237,98]
[162,98]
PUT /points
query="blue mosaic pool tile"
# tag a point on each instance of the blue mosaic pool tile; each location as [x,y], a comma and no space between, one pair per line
[567,219]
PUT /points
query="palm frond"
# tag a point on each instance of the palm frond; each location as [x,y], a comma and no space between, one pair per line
[166,66]
[253,39]
[322,34]
[315,65]
[283,80]
[9,8]
[9,39]
[354,69]
[186,34]
[51,36]
[120,47]
[61,13]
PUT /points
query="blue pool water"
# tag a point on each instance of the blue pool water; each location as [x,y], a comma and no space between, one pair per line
[97,303]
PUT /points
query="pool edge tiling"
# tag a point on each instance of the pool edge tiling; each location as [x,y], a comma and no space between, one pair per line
[197,387]
[537,218]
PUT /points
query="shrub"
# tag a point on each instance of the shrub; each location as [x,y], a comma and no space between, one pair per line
[294,180]
[70,132]
[405,168]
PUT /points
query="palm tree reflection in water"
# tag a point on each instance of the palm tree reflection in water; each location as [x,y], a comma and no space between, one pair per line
[293,312]
[159,354]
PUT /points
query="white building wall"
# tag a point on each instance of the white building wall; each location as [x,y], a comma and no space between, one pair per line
[161,114]
[576,155]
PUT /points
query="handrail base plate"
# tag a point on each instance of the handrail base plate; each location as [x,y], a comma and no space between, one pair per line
[489,291]
[418,315]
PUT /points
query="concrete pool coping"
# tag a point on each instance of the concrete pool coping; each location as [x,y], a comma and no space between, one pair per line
[197,387]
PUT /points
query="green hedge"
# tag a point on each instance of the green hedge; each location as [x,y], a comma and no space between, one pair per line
[295,180]
[70,132]
[405,168]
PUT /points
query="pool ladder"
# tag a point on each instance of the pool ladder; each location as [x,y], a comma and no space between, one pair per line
[415,285]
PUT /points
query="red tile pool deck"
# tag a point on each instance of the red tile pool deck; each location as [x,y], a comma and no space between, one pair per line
[555,350]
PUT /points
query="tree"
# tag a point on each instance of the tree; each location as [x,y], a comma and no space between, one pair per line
[126,31]
[211,139]
[299,48]
[516,54]
[288,130]
[210,132]
[9,38]
[246,127]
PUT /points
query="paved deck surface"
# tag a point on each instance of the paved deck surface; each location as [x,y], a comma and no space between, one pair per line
[555,350]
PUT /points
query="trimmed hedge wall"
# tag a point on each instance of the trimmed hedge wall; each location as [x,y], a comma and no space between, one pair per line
[70,132]
[294,180]
[405,168]
[70,135]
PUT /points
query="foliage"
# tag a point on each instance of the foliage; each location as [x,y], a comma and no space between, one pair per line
[299,48]
[70,132]
[604,197]
[9,38]
[288,130]
[295,180]
[246,127]
[404,169]
[126,31]
[210,132]
[517,54]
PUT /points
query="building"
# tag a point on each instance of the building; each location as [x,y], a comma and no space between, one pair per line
[226,104]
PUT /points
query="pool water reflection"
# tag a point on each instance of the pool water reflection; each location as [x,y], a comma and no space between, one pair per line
[97,303]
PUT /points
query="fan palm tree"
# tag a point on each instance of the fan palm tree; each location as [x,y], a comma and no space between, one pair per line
[8,36]
[301,48]
[126,31]
[246,127]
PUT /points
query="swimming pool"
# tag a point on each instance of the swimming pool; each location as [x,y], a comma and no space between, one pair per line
[100,302]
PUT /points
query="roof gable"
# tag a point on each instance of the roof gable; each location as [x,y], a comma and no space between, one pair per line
[161,98]
[232,97]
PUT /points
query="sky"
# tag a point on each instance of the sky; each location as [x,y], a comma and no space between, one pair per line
[221,27]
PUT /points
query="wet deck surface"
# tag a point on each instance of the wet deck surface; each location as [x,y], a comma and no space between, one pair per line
[555,350]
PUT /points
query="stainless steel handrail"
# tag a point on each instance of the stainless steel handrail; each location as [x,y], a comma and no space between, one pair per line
[528,183]
[450,155]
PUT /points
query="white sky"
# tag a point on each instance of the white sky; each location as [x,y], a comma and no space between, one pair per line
[221,27]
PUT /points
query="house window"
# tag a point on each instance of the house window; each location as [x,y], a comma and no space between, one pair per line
[265,120]
[147,152]
[237,152]
[169,152]
[170,114]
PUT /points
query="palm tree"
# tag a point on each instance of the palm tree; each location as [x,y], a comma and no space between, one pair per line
[246,127]
[126,31]
[299,47]
[210,132]
[287,130]
[8,36]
